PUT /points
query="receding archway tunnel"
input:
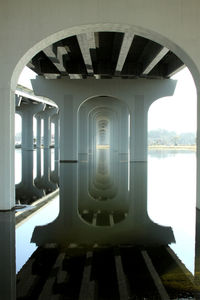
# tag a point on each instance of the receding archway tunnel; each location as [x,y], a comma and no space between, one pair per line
[102,198]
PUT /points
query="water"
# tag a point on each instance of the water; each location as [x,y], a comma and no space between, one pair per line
[172,198]
[171,201]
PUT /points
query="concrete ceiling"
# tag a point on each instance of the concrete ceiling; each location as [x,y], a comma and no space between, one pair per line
[105,55]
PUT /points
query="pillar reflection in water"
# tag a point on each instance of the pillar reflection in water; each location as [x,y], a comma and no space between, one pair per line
[30,188]
[103,189]
[26,190]
[43,179]
[136,228]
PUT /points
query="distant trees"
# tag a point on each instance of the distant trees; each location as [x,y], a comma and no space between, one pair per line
[170,138]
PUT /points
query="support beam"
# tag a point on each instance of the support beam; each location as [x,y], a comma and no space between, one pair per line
[121,278]
[87,42]
[87,290]
[51,76]
[75,76]
[155,61]
[157,281]
[61,51]
[126,44]
[176,71]
[52,56]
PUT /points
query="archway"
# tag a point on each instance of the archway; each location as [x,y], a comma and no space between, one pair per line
[103,151]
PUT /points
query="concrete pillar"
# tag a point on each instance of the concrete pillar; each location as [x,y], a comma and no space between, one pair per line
[198,150]
[54,175]
[55,120]
[7,254]
[68,129]
[48,112]
[44,181]
[138,130]
[39,132]
[83,146]
[7,146]
[27,110]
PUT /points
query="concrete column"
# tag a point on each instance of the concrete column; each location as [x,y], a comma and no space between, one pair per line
[44,181]
[68,129]
[138,130]
[198,150]
[27,110]
[83,134]
[7,254]
[54,175]
[7,146]
[55,120]
[48,112]
[39,133]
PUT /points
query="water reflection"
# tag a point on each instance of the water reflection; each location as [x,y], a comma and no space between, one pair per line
[106,215]
[172,198]
[102,184]
[97,207]
[37,177]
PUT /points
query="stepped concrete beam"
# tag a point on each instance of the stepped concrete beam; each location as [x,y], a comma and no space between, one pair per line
[51,76]
[54,59]
[75,76]
[57,60]
[126,44]
[155,61]
[87,42]
[61,51]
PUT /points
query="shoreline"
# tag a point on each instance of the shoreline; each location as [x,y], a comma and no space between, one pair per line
[178,148]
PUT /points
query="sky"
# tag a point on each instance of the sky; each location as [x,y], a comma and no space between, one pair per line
[176,113]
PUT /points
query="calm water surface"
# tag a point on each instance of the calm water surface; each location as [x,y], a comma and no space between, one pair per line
[171,202]
[172,198]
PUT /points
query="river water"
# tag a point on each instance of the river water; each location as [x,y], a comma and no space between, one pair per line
[171,202]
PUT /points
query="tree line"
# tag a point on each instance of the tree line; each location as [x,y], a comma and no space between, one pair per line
[171,138]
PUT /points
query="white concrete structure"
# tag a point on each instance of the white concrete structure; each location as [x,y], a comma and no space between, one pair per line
[32,26]
[28,27]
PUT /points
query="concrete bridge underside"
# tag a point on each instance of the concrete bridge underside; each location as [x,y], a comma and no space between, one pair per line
[121,50]
[142,40]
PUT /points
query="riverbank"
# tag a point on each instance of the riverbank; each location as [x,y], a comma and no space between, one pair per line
[177,148]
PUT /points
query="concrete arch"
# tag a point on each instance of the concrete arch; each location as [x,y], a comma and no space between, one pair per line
[180,37]
[112,27]
[89,105]
[101,171]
